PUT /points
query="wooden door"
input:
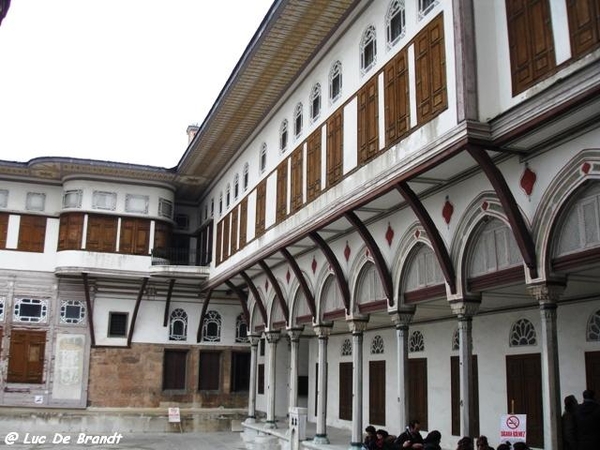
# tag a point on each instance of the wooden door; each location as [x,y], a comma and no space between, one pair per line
[377,392]
[592,371]
[345,391]
[417,391]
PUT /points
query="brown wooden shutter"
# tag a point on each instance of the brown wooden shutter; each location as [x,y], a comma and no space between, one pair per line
[584,25]
[226,227]
[397,104]
[234,230]
[296,180]
[70,231]
[101,233]
[26,356]
[313,166]
[3,229]
[345,391]
[335,139]
[281,206]
[430,71]
[261,203]
[243,221]
[261,379]
[135,236]
[417,390]
[368,135]
[210,371]
[162,235]
[377,392]
[174,369]
[32,233]
[219,249]
[530,42]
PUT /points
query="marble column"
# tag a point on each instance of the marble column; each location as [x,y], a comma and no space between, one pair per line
[465,310]
[402,321]
[547,295]
[357,327]
[254,341]
[322,331]
[294,335]
[272,339]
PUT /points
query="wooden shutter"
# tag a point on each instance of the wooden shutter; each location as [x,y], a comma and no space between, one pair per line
[261,203]
[234,230]
[313,165]
[296,180]
[261,379]
[3,229]
[135,235]
[26,356]
[335,139]
[345,391]
[219,242]
[281,206]
[377,392]
[32,233]
[417,390]
[430,71]
[584,25]
[240,371]
[243,221]
[530,42]
[210,371]
[162,235]
[101,233]
[226,227]
[592,370]
[368,134]
[70,231]
[397,103]
[174,369]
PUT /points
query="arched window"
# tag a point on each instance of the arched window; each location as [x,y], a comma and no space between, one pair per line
[331,297]
[205,212]
[263,158]
[283,136]
[246,171]
[455,340]
[496,249]
[593,327]
[425,6]
[368,49]
[369,287]
[211,331]
[241,329]
[212,207]
[228,195]
[424,269]
[298,120]
[522,333]
[220,203]
[335,81]
[315,102]
[377,346]
[236,186]
[395,21]
[416,342]
[178,325]
[346,347]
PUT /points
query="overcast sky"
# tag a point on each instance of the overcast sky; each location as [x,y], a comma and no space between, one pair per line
[116,80]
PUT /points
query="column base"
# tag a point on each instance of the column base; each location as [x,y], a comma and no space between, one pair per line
[270,424]
[250,419]
[321,439]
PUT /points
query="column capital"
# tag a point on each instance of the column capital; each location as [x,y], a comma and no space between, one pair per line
[465,308]
[357,324]
[323,329]
[254,339]
[294,333]
[403,317]
[548,292]
[272,336]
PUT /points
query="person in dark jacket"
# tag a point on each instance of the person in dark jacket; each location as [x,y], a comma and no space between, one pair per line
[411,439]
[483,444]
[465,443]
[432,441]
[587,421]
[569,428]
[369,442]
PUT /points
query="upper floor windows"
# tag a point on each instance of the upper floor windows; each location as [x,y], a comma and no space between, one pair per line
[246,171]
[220,203]
[236,186]
[137,203]
[283,136]
[425,6]
[335,81]
[165,208]
[228,195]
[395,21]
[3,198]
[241,329]
[212,207]
[35,201]
[72,312]
[263,158]
[178,325]
[368,49]
[30,310]
[72,199]
[315,102]
[212,327]
[104,200]
[298,119]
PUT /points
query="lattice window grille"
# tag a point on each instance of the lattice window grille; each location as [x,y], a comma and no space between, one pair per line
[72,312]
[495,249]
[30,310]
[346,347]
[416,342]
[331,298]
[165,208]
[241,329]
[522,334]
[178,323]
[72,199]
[455,340]
[369,286]
[424,270]
[377,345]
[212,327]
[581,228]
[135,203]
[593,327]
[395,22]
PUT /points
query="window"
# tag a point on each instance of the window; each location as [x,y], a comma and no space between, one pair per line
[35,201]
[455,340]
[211,331]
[298,120]
[72,312]
[246,171]
[241,329]
[26,356]
[135,236]
[165,208]
[178,325]
[72,199]
[495,249]
[104,200]
[416,342]
[283,136]
[2,299]
[240,371]
[137,203]
[377,345]
[101,233]
[261,207]
[220,203]
[228,195]
[424,270]
[370,288]
[346,348]
[368,121]
[32,234]
[581,223]
[261,379]
[263,158]
[70,231]
[281,198]
[593,327]
[174,369]
[117,324]
[30,310]
[368,50]
[396,97]
[210,371]
[313,166]
[395,21]
[522,333]
[236,186]
[425,6]
[335,81]
[212,207]
[3,198]
[315,102]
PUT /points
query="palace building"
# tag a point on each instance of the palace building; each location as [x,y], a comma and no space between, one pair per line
[391,212]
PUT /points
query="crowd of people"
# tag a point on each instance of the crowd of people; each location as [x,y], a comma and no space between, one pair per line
[581,423]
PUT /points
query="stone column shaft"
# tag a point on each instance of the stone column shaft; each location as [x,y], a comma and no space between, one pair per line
[294,335]
[321,432]
[254,340]
[272,338]
[357,327]
[402,322]
[465,363]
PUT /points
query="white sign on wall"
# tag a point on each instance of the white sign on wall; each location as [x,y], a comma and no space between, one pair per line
[513,428]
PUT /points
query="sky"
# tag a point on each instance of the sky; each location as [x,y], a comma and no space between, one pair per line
[115,80]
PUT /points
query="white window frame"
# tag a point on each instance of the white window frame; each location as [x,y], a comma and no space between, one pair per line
[104,200]
[335,76]
[43,304]
[369,38]
[137,203]
[72,199]
[64,305]
[165,208]
[35,201]
[397,7]
[316,105]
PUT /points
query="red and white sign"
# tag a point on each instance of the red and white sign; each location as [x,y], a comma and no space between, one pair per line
[513,427]
[174,416]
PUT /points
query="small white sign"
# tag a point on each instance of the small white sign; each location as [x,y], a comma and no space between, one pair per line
[513,428]
[174,415]
[38,399]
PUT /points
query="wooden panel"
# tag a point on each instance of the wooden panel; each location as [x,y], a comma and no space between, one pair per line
[226,235]
[313,166]
[240,371]
[592,371]
[32,233]
[377,392]
[530,41]
[3,229]
[26,356]
[261,204]
[297,180]
[101,233]
[524,389]
[261,378]
[417,391]
[368,114]
[135,236]
[234,230]
[70,231]
[455,396]
[584,25]
[210,371]
[219,249]
[345,387]
[174,369]
[243,222]
[335,155]
[397,99]
[162,235]
[281,201]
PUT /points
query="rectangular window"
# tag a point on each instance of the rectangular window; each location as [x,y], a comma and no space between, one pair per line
[137,203]
[174,369]
[261,378]
[335,139]
[584,25]
[261,347]
[530,42]
[430,71]
[240,371]
[32,234]
[296,180]
[397,108]
[70,231]
[234,230]
[26,356]
[165,208]
[282,176]
[261,205]
[117,324]
[219,242]
[313,166]
[101,233]
[368,134]
[135,236]
[162,236]
[345,391]
[210,371]
[35,201]
[72,199]
[3,229]
[3,198]
[243,221]
[104,200]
